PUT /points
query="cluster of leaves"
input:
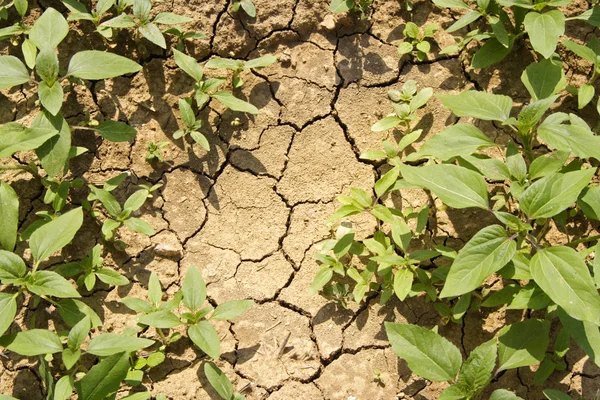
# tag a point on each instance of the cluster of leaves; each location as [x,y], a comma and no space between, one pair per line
[506,22]
[417,40]
[527,190]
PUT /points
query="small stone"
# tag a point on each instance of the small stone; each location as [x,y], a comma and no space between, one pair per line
[166,250]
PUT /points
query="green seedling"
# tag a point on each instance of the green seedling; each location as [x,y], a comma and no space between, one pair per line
[161,315]
[237,66]
[417,40]
[155,151]
[405,103]
[221,383]
[120,215]
[246,5]
[182,36]
[191,125]
[206,88]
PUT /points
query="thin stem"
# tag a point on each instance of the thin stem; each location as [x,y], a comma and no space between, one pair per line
[574,243]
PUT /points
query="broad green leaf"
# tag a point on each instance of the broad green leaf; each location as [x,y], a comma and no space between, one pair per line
[200,139]
[481,105]
[102,6]
[591,16]
[12,267]
[585,334]
[552,194]
[589,203]
[49,30]
[160,319]
[403,48]
[231,309]
[531,296]
[490,53]
[204,335]
[136,304]
[141,9]
[193,289]
[154,289]
[153,34]
[116,131]
[260,62]
[501,297]
[573,138]
[107,344]
[33,342]
[403,280]
[139,225]
[46,65]
[488,251]
[79,333]
[49,283]
[386,123]
[491,168]
[122,21]
[136,200]
[544,79]
[73,311]
[64,388]
[54,153]
[55,235]
[51,97]
[224,63]
[476,371]
[503,394]
[386,181]
[29,53]
[515,163]
[97,65]
[15,137]
[218,380]
[104,378]
[544,30]
[455,141]
[401,233]
[108,201]
[563,275]
[427,354]
[248,7]
[340,6]
[233,103]
[522,343]
[552,394]
[187,113]
[456,186]
[547,164]
[585,95]
[582,51]
[188,64]
[454,392]
[321,278]
[12,72]
[8,310]
[9,217]
[167,18]
[111,277]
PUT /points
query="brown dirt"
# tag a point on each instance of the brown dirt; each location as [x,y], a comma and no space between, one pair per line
[250,212]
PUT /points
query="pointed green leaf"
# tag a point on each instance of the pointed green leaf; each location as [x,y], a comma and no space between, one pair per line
[97,65]
[455,141]
[554,193]
[188,64]
[51,97]
[585,334]
[136,200]
[456,186]
[523,343]
[488,251]
[204,335]
[481,105]
[8,311]
[193,289]
[427,354]
[55,235]
[491,52]
[49,283]
[233,103]
[386,123]
[153,34]
[160,319]
[15,137]
[167,18]
[139,225]
[544,30]
[116,131]
[107,344]
[9,216]
[231,309]
[218,380]
[12,72]
[104,378]
[49,30]
[33,342]
[54,153]
[503,394]
[544,79]
[476,372]
[403,280]
[563,275]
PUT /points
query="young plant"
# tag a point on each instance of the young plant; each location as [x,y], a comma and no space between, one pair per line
[246,5]
[205,89]
[405,103]
[182,36]
[191,124]
[155,151]
[221,383]
[237,66]
[417,40]
[197,320]
[433,357]
[120,215]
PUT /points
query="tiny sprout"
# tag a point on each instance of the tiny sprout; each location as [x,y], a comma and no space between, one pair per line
[236,122]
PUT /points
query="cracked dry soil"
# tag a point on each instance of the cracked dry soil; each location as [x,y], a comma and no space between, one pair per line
[249,212]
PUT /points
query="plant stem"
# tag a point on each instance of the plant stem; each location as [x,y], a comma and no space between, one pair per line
[574,243]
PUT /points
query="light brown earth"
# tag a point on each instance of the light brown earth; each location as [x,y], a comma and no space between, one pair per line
[249,213]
